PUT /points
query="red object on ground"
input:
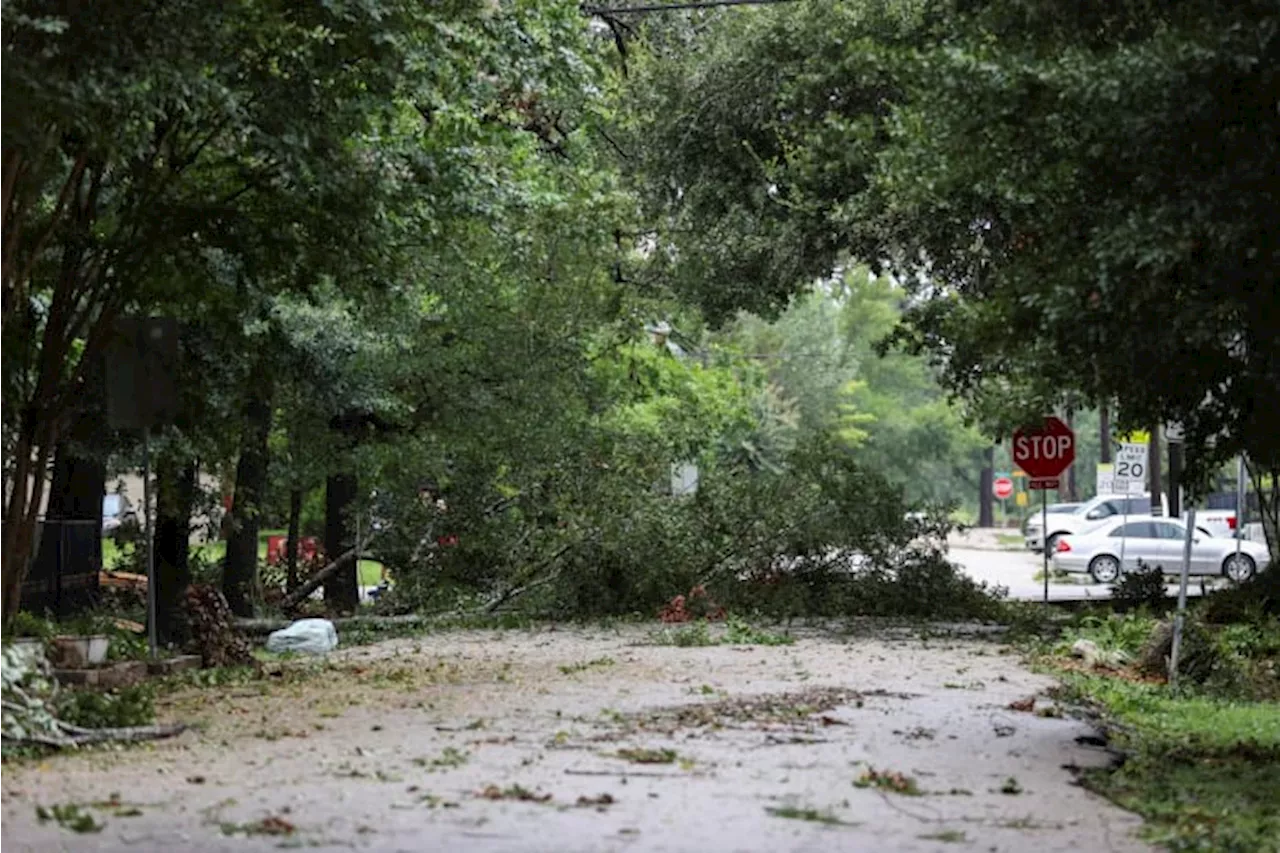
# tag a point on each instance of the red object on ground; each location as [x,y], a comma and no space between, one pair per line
[446,541]
[1046,452]
[308,548]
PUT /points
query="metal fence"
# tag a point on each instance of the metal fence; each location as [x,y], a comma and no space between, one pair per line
[64,574]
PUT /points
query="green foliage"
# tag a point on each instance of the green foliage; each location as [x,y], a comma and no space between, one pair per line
[69,816]
[1141,587]
[1120,636]
[691,635]
[888,409]
[738,632]
[119,708]
[1203,772]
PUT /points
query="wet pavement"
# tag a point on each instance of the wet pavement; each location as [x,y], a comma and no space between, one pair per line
[599,740]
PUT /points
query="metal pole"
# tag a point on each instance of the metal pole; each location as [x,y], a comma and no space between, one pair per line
[1044,534]
[1182,597]
[1124,524]
[151,542]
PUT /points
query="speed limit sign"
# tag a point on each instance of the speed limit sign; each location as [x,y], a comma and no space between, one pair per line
[1130,473]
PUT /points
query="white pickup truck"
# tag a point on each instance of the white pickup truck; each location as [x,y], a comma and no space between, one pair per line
[1218,522]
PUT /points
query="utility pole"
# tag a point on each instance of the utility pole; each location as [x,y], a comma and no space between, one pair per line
[986,513]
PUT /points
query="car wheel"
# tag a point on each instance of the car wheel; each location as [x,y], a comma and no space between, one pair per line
[1104,569]
[1239,567]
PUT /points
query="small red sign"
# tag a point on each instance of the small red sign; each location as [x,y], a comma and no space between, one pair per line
[1042,484]
[1044,452]
[1002,487]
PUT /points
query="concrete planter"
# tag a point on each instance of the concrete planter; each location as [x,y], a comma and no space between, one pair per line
[74,652]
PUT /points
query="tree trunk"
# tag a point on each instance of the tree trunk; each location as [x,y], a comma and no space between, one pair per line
[175,497]
[291,547]
[1071,487]
[986,513]
[240,572]
[1104,434]
[341,591]
[1153,463]
[1175,479]
[22,513]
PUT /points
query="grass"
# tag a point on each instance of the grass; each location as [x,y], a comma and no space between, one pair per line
[1203,772]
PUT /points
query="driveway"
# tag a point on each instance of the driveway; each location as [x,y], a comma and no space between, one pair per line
[599,740]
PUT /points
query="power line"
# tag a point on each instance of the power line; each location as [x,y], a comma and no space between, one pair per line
[671,7]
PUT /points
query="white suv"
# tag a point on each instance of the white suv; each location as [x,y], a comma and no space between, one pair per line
[1086,517]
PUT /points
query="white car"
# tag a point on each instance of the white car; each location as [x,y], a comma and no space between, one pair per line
[1111,549]
[1085,517]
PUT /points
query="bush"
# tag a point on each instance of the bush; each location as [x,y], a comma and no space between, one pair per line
[121,708]
[1142,587]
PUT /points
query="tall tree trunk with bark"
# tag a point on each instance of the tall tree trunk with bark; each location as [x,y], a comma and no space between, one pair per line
[1153,463]
[1175,479]
[1072,490]
[291,547]
[175,498]
[986,512]
[1104,434]
[240,571]
[342,590]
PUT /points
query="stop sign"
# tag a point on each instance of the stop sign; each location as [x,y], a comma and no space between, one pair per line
[1002,487]
[1044,452]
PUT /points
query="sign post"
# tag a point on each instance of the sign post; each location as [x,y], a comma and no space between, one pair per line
[1044,452]
[1130,476]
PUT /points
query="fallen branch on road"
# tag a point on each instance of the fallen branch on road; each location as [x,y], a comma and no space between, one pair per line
[300,594]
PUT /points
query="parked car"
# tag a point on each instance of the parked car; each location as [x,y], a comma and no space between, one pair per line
[1052,509]
[116,512]
[1156,541]
[1085,517]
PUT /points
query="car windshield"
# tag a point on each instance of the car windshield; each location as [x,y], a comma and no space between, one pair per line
[111,505]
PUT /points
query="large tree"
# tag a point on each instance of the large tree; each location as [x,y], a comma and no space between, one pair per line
[184,157]
[1082,200]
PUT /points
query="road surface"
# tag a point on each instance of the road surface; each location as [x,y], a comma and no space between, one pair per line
[580,740]
[1016,570]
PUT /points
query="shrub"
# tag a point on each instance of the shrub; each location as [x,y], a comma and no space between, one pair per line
[1142,587]
[124,707]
